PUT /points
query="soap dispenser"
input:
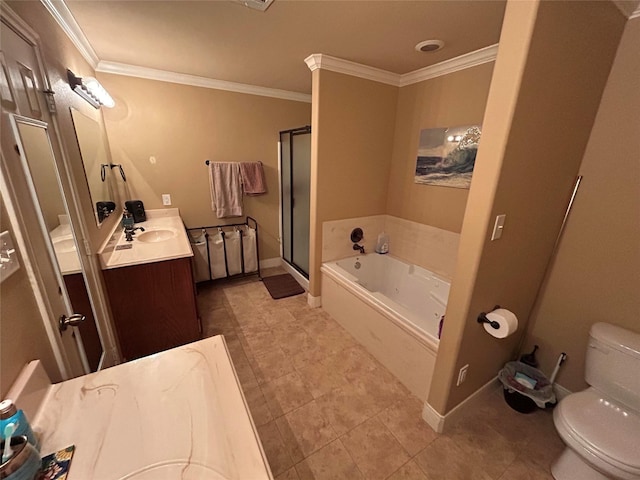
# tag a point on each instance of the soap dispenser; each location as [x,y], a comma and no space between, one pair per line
[127,220]
[382,245]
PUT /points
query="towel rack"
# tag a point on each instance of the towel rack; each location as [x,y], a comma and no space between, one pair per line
[223,230]
[207,162]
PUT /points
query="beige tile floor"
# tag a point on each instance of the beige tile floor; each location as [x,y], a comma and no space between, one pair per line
[326,409]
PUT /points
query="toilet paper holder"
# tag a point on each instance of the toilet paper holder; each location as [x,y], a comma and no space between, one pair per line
[482,318]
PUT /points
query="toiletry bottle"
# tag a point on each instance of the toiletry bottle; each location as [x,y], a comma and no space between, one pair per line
[10,414]
[382,245]
[127,220]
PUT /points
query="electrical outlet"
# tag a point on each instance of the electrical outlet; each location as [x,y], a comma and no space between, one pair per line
[498,227]
[166,199]
[462,375]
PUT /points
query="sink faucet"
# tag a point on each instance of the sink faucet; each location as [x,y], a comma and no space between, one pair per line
[358,247]
[130,232]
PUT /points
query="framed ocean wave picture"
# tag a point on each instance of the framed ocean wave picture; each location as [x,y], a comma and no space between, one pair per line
[446,156]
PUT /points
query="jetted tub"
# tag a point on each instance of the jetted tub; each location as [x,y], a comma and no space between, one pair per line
[393,309]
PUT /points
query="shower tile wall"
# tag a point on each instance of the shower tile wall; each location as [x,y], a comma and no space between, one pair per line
[423,245]
[336,241]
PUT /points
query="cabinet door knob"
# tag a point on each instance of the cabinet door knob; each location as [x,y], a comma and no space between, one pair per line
[73,321]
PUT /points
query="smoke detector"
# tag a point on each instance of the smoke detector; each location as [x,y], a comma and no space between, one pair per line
[261,5]
[429,46]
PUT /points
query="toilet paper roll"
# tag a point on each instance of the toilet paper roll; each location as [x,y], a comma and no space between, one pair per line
[506,319]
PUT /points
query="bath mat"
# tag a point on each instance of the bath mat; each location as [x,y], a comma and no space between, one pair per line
[282,286]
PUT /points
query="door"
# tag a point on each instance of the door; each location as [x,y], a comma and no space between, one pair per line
[32,191]
[295,181]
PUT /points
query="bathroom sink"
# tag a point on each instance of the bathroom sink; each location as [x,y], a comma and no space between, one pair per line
[155,236]
[64,245]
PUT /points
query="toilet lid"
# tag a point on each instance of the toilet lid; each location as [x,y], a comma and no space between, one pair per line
[607,429]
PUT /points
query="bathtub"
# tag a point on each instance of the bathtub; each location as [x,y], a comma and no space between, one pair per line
[393,309]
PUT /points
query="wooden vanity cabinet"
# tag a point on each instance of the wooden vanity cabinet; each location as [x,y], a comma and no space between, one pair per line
[154,306]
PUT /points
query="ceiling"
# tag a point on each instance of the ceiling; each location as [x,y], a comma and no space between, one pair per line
[225,40]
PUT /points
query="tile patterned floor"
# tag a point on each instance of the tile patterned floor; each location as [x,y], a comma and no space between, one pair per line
[326,409]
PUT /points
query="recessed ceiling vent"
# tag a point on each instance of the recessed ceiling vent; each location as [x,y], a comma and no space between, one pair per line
[429,46]
[261,5]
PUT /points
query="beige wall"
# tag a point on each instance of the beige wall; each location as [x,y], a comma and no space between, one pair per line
[448,101]
[182,126]
[352,140]
[22,334]
[552,66]
[596,274]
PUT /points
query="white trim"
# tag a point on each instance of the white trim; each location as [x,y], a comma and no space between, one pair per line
[433,418]
[561,392]
[270,262]
[627,9]
[326,62]
[439,422]
[314,302]
[61,13]
[468,60]
[303,282]
[117,68]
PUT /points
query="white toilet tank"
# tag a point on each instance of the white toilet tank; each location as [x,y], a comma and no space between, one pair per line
[613,363]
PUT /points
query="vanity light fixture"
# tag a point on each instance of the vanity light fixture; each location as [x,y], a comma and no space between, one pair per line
[90,89]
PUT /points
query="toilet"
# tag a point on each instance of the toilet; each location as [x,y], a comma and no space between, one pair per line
[601,425]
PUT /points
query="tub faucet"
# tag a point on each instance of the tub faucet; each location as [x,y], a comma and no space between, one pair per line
[358,247]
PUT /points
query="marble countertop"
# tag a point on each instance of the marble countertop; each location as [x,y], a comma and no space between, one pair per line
[176,414]
[165,222]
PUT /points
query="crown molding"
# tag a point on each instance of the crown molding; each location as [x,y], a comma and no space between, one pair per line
[468,60]
[629,9]
[326,62]
[61,13]
[196,81]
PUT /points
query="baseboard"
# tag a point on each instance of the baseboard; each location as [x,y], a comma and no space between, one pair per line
[314,302]
[439,422]
[561,392]
[270,262]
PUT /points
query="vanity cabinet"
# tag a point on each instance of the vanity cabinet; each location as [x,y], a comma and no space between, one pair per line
[154,306]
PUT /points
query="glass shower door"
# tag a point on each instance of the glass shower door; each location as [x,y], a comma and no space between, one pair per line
[295,173]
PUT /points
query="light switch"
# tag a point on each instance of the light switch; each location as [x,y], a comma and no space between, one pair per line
[166,199]
[498,227]
[8,256]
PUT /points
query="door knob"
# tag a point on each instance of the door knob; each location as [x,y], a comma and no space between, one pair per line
[73,321]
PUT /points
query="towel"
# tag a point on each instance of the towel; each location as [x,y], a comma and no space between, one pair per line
[226,189]
[253,178]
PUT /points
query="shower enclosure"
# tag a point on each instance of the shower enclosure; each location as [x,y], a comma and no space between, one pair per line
[295,177]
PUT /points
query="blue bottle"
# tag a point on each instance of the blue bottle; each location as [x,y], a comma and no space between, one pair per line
[10,414]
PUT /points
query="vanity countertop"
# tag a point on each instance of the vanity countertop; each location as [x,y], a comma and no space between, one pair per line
[148,246]
[176,414]
[65,249]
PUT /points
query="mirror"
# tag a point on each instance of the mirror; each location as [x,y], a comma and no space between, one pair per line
[41,172]
[97,164]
